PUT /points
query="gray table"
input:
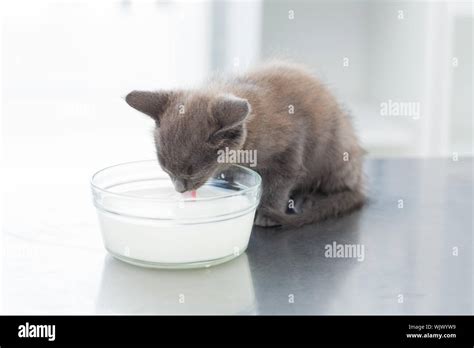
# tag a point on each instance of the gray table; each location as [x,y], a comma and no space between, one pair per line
[417,259]
[54,261]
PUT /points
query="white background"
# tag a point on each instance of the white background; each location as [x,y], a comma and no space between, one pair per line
[67,65]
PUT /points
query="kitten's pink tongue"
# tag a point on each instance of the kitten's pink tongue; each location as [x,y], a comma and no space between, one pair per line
[192,194]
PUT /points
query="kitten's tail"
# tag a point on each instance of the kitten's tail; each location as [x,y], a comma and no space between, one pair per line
[317,208]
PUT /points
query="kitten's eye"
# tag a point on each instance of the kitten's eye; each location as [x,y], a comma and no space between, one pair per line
[229,134]
[190,170]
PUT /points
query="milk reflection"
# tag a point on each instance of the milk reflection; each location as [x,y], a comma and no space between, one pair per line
[223,289]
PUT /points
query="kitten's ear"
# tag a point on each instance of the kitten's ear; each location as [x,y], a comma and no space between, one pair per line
[230,111]
[152,104]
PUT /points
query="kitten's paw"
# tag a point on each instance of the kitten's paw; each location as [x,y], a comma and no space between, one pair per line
[264,221]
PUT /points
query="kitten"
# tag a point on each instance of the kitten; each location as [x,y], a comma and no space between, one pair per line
[308,154]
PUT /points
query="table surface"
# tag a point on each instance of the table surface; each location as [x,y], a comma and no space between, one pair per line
[417,258]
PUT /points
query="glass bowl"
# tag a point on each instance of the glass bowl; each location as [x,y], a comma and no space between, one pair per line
[144,221]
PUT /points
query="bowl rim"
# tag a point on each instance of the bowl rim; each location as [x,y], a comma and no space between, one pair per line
[94,187]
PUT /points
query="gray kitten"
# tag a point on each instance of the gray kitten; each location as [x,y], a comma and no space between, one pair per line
[308,154]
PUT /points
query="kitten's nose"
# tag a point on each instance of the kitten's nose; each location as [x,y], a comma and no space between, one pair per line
[180,185]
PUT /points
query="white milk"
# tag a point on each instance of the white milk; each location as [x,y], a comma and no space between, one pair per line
[175,242]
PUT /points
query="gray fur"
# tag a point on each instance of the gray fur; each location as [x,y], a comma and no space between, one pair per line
[301,156]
